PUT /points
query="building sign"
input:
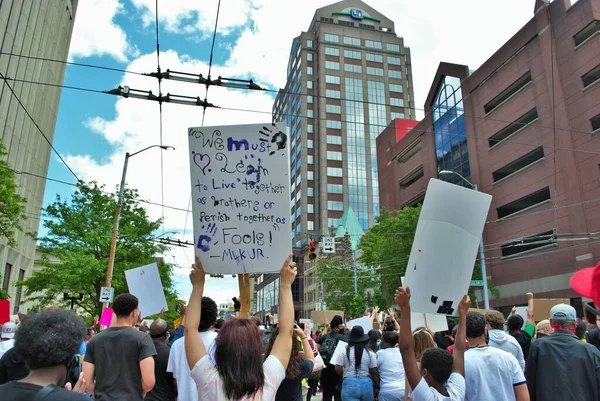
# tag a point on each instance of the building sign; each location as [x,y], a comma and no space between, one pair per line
[356,14]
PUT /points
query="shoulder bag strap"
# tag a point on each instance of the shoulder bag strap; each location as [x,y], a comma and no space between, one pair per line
[43,393]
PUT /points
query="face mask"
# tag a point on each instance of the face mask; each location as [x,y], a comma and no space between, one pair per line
[557,327]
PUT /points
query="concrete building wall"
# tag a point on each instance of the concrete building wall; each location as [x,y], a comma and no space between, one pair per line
[41,29]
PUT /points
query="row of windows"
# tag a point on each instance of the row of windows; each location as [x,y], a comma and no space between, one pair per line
[334,172]
[377,58]
[334,124]
[335,205]
[394,74]
[334,140]
[332,79]
[393,60]
[353,54]
[357,69]
[375,71]
[351,41]
[334,109]
[333,94]
[332,51]
[335,188]
[396,88]
[397,102]
[371,44]
[332,65]
[335,156]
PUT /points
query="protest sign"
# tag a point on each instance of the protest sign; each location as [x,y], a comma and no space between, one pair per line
[241,197]
[445,246]
[106,317]
[431,321]
[522,311]
[325,316]
[144,282]
[340,349]
[541,307]
[364,322]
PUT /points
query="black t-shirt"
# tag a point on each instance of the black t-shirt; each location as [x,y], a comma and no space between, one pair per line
[116,353]
[524,340]
[12,367]
[19,391]
[164,388]
[291,389]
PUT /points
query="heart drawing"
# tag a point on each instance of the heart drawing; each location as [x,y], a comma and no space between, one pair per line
[202,161]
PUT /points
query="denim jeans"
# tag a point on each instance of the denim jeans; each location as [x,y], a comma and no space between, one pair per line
[357,389]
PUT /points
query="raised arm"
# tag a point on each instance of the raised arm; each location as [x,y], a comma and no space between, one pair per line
[194,346]
[283,343]
[392,314]
[308,352]
[461,337]
[407,348]
[530,310]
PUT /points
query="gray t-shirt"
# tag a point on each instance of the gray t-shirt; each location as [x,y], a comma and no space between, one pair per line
[116,353]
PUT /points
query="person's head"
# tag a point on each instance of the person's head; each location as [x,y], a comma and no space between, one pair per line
[514,323]
[208,315]
[293,368]
[495,320]
[476,326]
[159,330]
[126,309]
[143,329]
[238,357]
[9,329]
[219,324]
[374,337]
[593,337]
[337,324]
[388,324]
[302,326]
[49,340]
[563,317]
[318,333]
[544,328]
[90,333]
[256,320]
[436,366]
[423,340]
[389,340]
[357,340]
[580,329]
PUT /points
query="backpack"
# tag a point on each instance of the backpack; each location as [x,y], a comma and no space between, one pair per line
[328,348]
[73,375]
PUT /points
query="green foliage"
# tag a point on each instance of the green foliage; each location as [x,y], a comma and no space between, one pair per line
[380,300]
[3,294]
[78,243]
[12,205]
[357,307]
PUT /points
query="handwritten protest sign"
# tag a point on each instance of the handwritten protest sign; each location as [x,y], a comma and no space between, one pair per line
[144,282]
[241,197]
[445,246]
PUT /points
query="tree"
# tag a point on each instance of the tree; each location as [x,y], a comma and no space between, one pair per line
[79,235]
[357,307]
[12,205]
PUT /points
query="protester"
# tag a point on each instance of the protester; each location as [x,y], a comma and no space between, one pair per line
[119,362]
[313,379]
[178,361]
[47,342]
[593,337]
[7,337]
[523,332]
[580,329]
[164,388]
[499,339]
[218,324]
[90,334]
[300,366]
[561,367]
[374,340]
[450,349]
[358,366]
[12,367]
[491,374]
[423,340]
[327,344]
[391,369]
[443,339]
[237,370]
[440,376]
[543,329]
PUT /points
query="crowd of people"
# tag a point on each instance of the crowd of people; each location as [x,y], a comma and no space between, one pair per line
[52,355]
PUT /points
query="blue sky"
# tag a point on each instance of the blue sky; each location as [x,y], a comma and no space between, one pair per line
[94,131]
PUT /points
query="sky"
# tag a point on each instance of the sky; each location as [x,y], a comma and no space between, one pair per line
[94,131]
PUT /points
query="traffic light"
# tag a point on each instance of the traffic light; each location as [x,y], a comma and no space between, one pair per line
[312,250]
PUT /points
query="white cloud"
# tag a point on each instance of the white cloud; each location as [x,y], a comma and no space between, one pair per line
[96,34]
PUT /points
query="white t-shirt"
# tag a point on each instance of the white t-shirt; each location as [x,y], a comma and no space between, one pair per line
[368,360]
[178,365]
[455,386]
[6,345]
[491,374]
[210,385]
[391,370]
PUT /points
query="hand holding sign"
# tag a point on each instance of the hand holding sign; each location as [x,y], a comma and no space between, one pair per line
[197,276]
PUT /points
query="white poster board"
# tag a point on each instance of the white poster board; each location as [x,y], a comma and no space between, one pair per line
[432,321]
[522,311]
[445,247]
[340,349]
[241,197]
[364,322]
[144,282]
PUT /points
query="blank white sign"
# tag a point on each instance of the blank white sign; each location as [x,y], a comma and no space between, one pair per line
[144,282]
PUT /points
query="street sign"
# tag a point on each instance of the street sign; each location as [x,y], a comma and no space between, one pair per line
[476,283]
[328,245]
[107,294]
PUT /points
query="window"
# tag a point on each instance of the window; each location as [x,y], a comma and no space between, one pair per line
[330,93]
[19,292]
[334,140]
[412,178]
[333,109]
[397,102]
[310,143]
[309,70]
[513,127]
[410,152]
[528,243]
[508,92]
[334,172]
[332,65]
[392,48]
[310,129]
[309,57]
[335,205]
[310,208]
[310,191]
[333,222]
[309,84]
[310,175]
[357,69]
[394,116]
[6,277]
[334,124]
[591,77]
[586,33]
[525,202]
[519,164]
[309,99]
[396,88]
[351,41]
[310,159]
[335,188]
[595,123]
[332,38]
[394,74]
[375,71]
[332,51]
[377,58]
[352,54]
[310,225]
[336,156]
[309,44]
[372,44]
[332,79]
[310,113]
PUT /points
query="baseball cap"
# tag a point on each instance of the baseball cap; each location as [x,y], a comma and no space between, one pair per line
[563,311]
[8,330]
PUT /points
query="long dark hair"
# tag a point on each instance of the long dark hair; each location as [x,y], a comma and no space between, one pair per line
[359,348]
[238,356]
[293,368]
[374,337]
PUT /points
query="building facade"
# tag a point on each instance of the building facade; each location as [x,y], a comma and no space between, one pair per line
[41,29]
[530,119]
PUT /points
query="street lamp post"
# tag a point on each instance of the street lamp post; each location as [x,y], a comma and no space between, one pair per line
[79,297]
[486,297]
[115,232]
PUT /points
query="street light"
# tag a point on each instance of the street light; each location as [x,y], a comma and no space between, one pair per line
[486,297]
[79,297]
[113,242]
